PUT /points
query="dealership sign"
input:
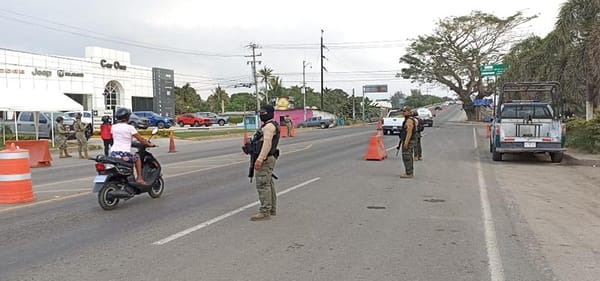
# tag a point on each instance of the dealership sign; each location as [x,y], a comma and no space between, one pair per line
[62,73]
[115,65]
[12,71]
[38,72]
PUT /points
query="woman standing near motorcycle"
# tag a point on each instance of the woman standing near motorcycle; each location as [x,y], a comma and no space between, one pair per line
[123,133]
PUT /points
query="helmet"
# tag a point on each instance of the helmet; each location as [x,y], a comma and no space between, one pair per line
[59,119]
[105,119]
[122,114]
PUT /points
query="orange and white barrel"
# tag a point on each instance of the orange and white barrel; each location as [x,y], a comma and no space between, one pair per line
[15,176]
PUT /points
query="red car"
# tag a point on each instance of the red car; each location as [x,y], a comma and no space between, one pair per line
[192,120]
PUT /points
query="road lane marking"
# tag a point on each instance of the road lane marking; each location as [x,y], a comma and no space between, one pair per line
[44,202]
[61,190]
[224,216]
[494,259]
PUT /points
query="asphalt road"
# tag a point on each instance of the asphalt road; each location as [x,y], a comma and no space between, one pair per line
[462,217]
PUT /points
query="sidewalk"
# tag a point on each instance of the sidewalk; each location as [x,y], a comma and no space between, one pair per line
[574,156]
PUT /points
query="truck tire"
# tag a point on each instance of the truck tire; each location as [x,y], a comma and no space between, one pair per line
[556,157]
[323,126]
[496,156]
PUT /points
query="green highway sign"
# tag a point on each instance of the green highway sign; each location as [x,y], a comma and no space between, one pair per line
[492,70]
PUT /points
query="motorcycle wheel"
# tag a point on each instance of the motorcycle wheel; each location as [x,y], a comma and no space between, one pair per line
[104,199]
[158,188]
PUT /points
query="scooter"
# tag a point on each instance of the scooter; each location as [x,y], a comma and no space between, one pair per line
[116,180]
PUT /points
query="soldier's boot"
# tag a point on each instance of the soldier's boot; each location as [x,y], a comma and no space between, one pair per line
[406,176]
[261,217]
[67,154]
[62,154]
[85,153]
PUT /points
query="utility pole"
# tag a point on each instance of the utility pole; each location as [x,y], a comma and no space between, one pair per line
[253,64]
[304,65]
[322,68]
[363,103]
[353,101]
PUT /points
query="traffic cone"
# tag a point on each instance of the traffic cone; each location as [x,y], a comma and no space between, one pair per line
[172,143]
[245,137]
[374,152]
[283,131]
[293,132]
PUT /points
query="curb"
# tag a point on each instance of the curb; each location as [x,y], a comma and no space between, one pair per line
[583,162]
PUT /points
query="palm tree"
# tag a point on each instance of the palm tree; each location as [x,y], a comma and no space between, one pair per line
[276,86]
[266,74]
[218,99]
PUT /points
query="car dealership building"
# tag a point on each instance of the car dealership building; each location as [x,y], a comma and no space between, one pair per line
[101,81]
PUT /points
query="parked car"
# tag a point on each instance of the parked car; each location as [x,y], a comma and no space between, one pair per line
[317,122]
[426,116]
[193,120]
[155,119]
[86,117]
[215,118]
[139,122]
[26,124]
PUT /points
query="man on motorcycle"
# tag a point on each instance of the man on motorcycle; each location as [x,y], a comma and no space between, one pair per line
[123,133]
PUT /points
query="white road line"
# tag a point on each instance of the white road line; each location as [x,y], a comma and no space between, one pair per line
[491,243]
[62,190]
[224,216]
[62,182]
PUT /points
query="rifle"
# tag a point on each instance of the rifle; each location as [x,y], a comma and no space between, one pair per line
[253,147]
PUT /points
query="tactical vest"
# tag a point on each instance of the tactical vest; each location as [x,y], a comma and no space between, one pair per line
[414,132]
[275,140]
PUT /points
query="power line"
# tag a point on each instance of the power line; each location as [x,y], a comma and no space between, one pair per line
[108,38]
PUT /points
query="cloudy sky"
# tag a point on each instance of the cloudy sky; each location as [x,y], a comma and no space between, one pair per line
[205,41]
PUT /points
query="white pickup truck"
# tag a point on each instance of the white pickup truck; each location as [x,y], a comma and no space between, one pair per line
[525,123]
[392,123]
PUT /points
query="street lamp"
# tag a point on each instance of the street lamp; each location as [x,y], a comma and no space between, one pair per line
[304,65]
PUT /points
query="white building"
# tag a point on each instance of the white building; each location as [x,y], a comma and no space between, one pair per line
[103,80]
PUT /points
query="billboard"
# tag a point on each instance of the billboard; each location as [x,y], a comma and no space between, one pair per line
[375,89]
[163,82]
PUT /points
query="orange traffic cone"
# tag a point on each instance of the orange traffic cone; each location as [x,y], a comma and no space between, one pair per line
[283,131]
[381,145]
[245,137]
[171,143]
[374,152]
[293,132]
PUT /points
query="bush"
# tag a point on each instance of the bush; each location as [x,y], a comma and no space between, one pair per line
[584,135]
[236,119]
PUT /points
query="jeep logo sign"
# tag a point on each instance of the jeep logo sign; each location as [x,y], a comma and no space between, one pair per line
[115,65]
[38,72]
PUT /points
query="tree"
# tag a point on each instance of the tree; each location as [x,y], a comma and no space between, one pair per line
[187,100]
[452,55]
[241,102]
[266,74]
[277,88]
[218,100]
[398,99]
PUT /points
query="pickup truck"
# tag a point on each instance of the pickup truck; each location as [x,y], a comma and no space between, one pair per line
[317,122]
[526,121]
[392,123]
[26,124]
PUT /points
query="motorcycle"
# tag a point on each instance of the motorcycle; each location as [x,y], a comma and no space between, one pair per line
[116,179]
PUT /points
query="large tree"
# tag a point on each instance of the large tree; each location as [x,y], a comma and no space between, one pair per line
[397,99]
[187,100]
[265,75]
[458,46]
[241,102]
[217,100]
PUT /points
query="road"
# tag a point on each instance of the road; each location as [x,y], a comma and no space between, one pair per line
[463,217]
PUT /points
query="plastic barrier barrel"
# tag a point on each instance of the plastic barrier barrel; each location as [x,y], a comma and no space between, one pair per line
[15,176]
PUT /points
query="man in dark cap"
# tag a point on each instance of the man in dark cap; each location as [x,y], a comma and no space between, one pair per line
[265,163]
[408,143]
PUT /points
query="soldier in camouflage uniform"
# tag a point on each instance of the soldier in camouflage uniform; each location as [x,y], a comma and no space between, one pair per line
[265,163]
[408,144]
[80,128]
[61,137]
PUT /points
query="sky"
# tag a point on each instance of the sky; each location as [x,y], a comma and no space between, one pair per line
[365,39]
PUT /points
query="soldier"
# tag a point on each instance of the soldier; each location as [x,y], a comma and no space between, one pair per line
[80,129]
[265,163]
[288,124]
[418,156]
[61,137]
[408,143]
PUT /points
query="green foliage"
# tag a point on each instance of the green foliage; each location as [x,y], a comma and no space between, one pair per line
[187,100]
[241,102]
[452,54]
[218,100]
[398,99]
[584,135]
[236,119]
[416,101]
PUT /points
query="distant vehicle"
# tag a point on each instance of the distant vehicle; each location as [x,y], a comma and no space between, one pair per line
[26,124]
[138,122]
[193,120]
[393,122]
[86,117]
[426,116]
[155,119]
[526,122]
[215,118]
[320,122]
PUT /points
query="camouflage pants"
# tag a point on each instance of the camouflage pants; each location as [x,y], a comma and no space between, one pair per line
[61,142]
[289,130]
[407,157]
[81,142]
[418,149]
[265,186]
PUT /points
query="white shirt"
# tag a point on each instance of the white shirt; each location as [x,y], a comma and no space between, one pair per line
[122,135]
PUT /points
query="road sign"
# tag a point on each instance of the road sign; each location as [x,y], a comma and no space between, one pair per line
[375,89]
[492,70]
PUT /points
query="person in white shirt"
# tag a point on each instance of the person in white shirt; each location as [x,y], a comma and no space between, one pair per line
[123,133]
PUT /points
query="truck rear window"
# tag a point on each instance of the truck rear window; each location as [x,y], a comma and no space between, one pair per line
[524,111]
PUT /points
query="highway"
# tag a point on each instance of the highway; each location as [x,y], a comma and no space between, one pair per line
[339,217]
